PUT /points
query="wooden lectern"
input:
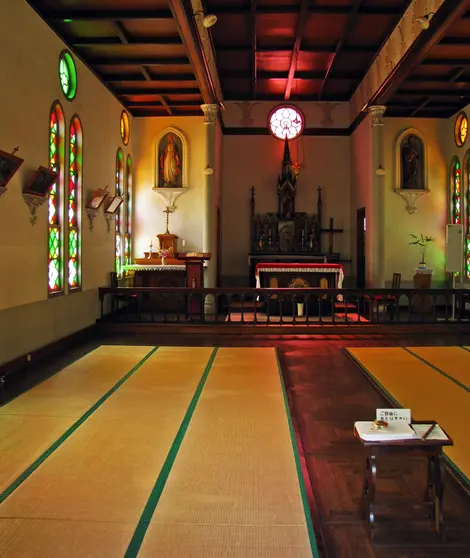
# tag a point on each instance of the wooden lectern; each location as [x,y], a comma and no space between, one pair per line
[194,279]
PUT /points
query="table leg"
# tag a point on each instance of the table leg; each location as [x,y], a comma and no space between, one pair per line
[438,482]
[368,494]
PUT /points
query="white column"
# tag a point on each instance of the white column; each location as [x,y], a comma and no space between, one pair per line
[376,233]
[209,232]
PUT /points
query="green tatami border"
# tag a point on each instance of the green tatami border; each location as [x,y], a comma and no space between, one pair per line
[436,368]
[30,470]
[303,491]
[152,502]
[465,480]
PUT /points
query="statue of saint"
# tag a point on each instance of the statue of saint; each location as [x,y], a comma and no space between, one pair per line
[170,165]
[411,164]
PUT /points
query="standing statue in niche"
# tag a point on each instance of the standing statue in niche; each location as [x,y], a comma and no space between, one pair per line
[169,151]
[412,163]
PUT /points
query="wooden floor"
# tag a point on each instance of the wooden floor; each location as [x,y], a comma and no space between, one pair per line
[327,393]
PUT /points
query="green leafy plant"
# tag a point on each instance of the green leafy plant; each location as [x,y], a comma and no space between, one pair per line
[423,242]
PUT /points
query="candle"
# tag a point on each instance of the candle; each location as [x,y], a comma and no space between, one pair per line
[183,243]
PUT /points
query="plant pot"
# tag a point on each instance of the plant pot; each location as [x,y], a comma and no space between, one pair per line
[163,261]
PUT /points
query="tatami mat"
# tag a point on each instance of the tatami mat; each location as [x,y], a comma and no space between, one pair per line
[429,394]
[33,421]
[235,475]
[453,361]
[107,468]
[39,538]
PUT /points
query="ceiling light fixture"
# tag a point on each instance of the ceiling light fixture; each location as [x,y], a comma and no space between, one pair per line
[425,21]
[209,19]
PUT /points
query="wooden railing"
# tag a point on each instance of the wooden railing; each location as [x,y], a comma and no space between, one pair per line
[284,306]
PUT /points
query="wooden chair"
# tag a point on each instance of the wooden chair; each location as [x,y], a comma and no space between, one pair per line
[389,302]
[121,297]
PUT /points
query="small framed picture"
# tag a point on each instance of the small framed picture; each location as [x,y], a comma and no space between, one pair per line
[96,199]
[9,164]
[114,205]
[41,182]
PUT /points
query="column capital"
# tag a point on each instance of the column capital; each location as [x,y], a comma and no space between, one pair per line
[210,113]
[377,112]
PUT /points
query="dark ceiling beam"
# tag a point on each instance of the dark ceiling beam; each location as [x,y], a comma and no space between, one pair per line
[165,105]
[254,60]
[145,73]
[421,106]
[121,33]
[444,62]
[154,91]
[235,96]
[153,78]
[304,48]
[313,75]
[352,19]
[458,73]
[157,111]
[435,93]
[120,61]
[302,20]
[67,15]
[316,10]
[115,41]
[454,41]
[186,23]
[449,12]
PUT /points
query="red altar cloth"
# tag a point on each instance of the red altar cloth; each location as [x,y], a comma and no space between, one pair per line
[337,269]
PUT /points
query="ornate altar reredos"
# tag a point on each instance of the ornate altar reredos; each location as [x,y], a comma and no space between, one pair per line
[287,231]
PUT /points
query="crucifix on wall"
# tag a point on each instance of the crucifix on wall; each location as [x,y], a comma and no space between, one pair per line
[331,232]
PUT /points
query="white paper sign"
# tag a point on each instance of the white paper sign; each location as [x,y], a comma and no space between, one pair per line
[391,415]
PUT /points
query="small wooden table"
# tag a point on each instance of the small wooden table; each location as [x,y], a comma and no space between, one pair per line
[431,449]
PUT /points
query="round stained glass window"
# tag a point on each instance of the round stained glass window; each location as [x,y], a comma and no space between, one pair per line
[125,128]
[67,75]
[461,129]
[286,122]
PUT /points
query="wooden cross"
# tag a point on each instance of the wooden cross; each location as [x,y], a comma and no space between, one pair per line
[331,232]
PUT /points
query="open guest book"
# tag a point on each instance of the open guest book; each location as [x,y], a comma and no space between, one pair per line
[399,430]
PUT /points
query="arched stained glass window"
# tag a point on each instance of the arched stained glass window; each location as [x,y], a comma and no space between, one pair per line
[55,214]
[119,184]
[456,188]
[75,202]
[456,199]
[128,237]
[467,217]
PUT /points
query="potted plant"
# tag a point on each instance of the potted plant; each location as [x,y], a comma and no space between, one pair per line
[164,255]
[423,274]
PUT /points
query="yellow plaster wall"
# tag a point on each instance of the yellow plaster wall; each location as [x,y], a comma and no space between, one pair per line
[187,220]
[432,208]
[29,85]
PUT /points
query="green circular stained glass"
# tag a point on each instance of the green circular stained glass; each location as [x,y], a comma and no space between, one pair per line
[67,75]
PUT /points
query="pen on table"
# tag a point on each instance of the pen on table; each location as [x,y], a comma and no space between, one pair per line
[428,431]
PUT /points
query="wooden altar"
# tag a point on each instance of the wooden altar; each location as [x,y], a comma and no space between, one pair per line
[289,236]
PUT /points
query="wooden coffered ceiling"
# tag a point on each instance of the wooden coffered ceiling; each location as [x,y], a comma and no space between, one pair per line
[299,49]
[147,52]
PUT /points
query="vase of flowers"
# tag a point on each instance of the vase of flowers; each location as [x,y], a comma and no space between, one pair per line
[163,256]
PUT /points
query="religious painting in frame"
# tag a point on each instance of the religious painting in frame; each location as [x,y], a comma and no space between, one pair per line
[40,183]
[114,205]
[411,161]
[96,199]
[9,164]
[170,161]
